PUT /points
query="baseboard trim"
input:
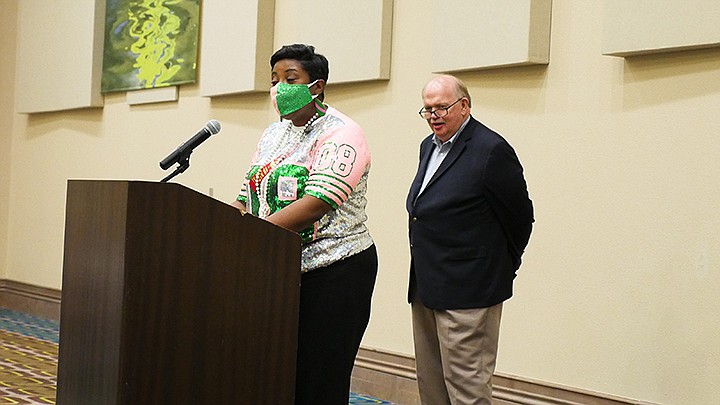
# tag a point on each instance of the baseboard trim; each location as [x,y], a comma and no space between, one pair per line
[386,375]
[38,301]
[391,376]
[521,390]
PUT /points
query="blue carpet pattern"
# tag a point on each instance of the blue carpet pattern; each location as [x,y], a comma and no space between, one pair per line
[19,325]
[357,399]
[31,326]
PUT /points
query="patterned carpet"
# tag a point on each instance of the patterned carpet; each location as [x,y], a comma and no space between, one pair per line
[28,361]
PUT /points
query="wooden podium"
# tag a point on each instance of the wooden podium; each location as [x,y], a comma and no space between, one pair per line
[172,297]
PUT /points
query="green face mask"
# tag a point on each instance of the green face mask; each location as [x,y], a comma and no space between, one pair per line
[288,98]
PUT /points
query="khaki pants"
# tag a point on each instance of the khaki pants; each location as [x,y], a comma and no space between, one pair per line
[455,351]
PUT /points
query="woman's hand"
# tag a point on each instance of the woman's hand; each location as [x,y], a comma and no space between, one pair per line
[300,214]
[240,206]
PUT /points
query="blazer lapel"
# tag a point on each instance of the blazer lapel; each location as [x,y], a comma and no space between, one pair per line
[420,175]
[458,147]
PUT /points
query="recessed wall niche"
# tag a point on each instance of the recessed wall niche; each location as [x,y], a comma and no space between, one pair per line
[355,36]
[640,27]
[486,34]
[236,45]
[59,55]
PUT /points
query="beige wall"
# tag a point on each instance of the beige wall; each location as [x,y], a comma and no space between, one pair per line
[8,25]
[618,291]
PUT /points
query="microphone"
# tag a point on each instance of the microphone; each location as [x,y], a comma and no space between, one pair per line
[186,148]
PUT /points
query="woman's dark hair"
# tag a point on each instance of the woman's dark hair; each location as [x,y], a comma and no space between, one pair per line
[315,64]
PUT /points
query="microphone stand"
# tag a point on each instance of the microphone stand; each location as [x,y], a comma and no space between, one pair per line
[183,164]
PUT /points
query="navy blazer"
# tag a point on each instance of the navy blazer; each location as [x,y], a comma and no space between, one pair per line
[471,224]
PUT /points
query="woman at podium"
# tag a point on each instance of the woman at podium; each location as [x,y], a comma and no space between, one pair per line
[309,174]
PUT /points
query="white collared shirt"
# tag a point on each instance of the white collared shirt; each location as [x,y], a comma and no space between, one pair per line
[438,154]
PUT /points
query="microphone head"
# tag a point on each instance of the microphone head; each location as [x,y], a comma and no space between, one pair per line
[213,126]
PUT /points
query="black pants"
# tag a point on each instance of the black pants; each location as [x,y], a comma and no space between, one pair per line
[334,313]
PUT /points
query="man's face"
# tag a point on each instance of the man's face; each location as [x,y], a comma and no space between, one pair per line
[441,94]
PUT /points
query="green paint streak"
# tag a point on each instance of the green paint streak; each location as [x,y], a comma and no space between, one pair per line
[154,28]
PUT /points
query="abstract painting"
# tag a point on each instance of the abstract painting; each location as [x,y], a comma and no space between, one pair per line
[149,43]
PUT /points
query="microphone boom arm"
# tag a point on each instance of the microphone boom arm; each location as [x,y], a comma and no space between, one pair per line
[181,155]
[183,164]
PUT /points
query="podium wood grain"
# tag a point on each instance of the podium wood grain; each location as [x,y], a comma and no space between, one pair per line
[172,297]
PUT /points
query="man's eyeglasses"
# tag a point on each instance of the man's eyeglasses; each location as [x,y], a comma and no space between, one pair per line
[439,112]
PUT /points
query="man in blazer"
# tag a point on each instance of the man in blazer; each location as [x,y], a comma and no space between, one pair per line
[470,220]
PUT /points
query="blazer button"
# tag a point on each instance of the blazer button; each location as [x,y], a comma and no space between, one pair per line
[414,219]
